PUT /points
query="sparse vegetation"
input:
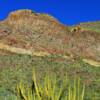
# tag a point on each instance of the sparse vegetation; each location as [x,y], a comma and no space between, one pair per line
[37,41]
[92,26]
[14,68]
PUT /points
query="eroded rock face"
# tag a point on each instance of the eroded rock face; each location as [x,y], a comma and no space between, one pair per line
[30,22]
[39,30]
[43,32]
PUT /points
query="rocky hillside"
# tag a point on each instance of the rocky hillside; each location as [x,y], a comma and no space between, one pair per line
[27,30]
[91,25]
[38,42]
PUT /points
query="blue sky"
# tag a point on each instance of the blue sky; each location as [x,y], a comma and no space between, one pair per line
[66,11]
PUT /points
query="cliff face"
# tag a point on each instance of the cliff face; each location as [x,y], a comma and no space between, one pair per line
[41,32]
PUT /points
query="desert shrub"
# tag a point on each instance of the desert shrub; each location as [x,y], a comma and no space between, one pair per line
[51,89]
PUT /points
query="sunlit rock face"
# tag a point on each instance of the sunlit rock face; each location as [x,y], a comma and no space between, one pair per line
[36,31]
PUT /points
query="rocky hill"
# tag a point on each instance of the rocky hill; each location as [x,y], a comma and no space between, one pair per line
[38,42]
[37,32]
[94,26]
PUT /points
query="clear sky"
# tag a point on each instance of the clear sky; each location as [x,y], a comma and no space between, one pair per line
[66,11]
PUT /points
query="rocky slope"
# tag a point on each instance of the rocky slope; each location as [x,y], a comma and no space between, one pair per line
[94,26]
[40,32]
[31,41]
